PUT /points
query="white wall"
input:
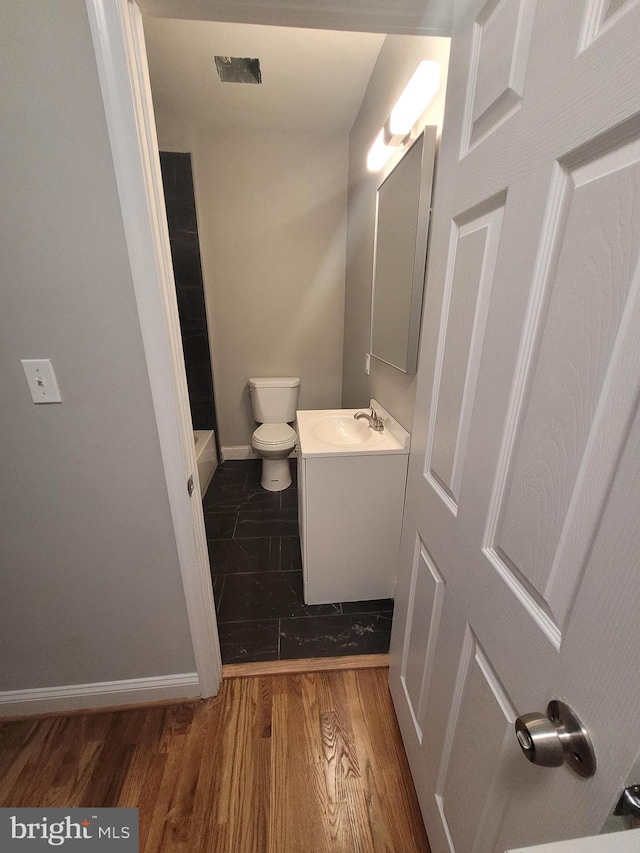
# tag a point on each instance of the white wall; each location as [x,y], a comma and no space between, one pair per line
[174,134]
[272,225]
[90,587]
[271,210]
[398,59]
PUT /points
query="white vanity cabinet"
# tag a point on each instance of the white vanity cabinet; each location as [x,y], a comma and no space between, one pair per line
[351,501]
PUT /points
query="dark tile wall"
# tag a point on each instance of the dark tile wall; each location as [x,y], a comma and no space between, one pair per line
[180,202]
[256,567]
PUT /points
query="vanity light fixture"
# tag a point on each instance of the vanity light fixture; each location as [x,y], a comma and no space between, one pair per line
[416,97]
[379,153]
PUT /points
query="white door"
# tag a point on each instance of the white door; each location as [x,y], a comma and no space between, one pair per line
[621,842]
[519,575]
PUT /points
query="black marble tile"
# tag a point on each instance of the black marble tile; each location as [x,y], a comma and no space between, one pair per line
[200,384]
[235,556]
[232,499]
[267,595]
[290,556]
[196,355]
[253,467]
[257,501]
[244,642]
[184,180]
[289,498]
[282,522]
[220,525]
[188,276]
[218,587]
[254,550]
[375,605]
[232,473]
[334,636]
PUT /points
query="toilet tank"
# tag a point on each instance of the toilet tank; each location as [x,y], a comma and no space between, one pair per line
[274,399]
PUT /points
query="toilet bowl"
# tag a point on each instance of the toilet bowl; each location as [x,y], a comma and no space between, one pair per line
[274,443]
[274,401]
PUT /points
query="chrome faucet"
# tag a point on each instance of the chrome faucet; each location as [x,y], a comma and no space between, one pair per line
[375,421]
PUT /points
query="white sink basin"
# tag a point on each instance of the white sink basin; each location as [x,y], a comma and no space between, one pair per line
[335,432]
[344,430]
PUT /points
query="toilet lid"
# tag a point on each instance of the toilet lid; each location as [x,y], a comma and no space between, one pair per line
[274,433]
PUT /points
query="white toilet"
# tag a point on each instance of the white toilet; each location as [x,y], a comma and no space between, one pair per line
[274,400]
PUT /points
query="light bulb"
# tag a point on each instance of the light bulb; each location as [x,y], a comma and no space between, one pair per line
[415,98]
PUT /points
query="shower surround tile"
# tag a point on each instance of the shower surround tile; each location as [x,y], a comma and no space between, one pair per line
[177,180]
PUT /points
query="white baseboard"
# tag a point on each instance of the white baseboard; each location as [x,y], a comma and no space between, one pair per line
[241,451]
[102,694]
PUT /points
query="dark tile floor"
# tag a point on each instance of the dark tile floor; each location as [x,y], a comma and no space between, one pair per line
[254,550]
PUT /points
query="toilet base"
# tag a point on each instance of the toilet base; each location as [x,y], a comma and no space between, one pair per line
[276,474]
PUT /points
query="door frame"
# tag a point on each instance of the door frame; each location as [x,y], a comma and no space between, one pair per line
[118,42]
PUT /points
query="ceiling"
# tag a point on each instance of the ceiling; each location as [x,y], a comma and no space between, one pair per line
[411,17]
[311,79]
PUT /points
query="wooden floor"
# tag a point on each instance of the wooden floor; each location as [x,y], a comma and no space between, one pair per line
[285,764]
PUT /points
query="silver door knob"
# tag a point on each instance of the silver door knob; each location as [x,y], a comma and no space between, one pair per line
[556,738]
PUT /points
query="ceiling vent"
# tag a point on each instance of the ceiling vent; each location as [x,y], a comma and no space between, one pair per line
[233,69]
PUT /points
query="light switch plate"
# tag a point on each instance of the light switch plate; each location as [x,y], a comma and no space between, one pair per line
[367,363]
[42,380]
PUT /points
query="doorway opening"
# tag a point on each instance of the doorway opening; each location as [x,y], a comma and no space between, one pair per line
[253,536]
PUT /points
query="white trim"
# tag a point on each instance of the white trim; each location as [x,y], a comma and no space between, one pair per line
[241,451]
[118,41]
[102,694]
[245,451]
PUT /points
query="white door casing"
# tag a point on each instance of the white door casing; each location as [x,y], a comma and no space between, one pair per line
[518,579]
[118,39]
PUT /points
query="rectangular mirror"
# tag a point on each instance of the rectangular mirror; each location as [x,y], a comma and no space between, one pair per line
[400,255]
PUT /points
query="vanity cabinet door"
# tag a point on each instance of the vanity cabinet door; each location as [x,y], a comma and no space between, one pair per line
[352,509]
